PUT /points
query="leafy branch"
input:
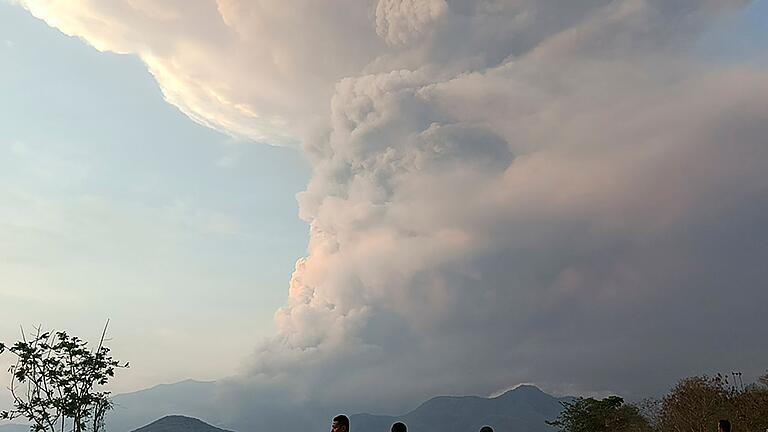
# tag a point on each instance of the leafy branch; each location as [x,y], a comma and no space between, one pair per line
[56,382]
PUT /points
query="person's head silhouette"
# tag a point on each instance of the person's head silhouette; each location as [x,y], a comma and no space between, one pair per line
[723,426]
[399,427]
[486,429]
[340,423]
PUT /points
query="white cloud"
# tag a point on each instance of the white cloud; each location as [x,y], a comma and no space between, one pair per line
[258,69]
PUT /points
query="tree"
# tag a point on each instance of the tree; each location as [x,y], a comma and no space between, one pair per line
[751,406]
[697,403]
[56,382]
[607,415]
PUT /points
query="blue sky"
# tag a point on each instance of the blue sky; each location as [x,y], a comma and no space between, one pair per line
[113,204]
[741,37]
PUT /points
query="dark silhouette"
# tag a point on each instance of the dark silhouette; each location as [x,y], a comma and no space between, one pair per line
[177,423]
[723,426]
[486,429]
[399,427]
[340,423]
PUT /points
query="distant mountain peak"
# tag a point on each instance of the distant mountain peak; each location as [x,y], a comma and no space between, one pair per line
[175,418]
[528,389]
[179,423]
[520,388]
[524,387]
[186,382]
[525,407]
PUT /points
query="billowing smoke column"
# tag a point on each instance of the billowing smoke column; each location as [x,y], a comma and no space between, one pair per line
[503,191]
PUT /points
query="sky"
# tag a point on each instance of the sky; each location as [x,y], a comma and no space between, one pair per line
[116,205]
[419,197]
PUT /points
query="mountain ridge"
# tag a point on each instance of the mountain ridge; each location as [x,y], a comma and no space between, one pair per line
[524,408]
[179,423]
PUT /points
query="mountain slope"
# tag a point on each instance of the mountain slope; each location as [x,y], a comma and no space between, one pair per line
[525,408]
[176,423]
[189,398]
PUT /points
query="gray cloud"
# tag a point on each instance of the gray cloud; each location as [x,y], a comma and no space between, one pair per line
[503,192]
[575,253]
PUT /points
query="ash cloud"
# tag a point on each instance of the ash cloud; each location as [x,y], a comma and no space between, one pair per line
[502,191]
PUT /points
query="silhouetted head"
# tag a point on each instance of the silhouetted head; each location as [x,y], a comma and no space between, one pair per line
[486,429]
[399,427]
[724,426]
[340,423]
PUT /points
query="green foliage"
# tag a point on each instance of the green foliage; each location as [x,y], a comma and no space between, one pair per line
[607,415]
[56,380]
[695,404]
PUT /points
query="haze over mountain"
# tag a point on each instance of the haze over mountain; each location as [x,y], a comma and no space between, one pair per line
[524,408]
[189,398]
[14,428]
